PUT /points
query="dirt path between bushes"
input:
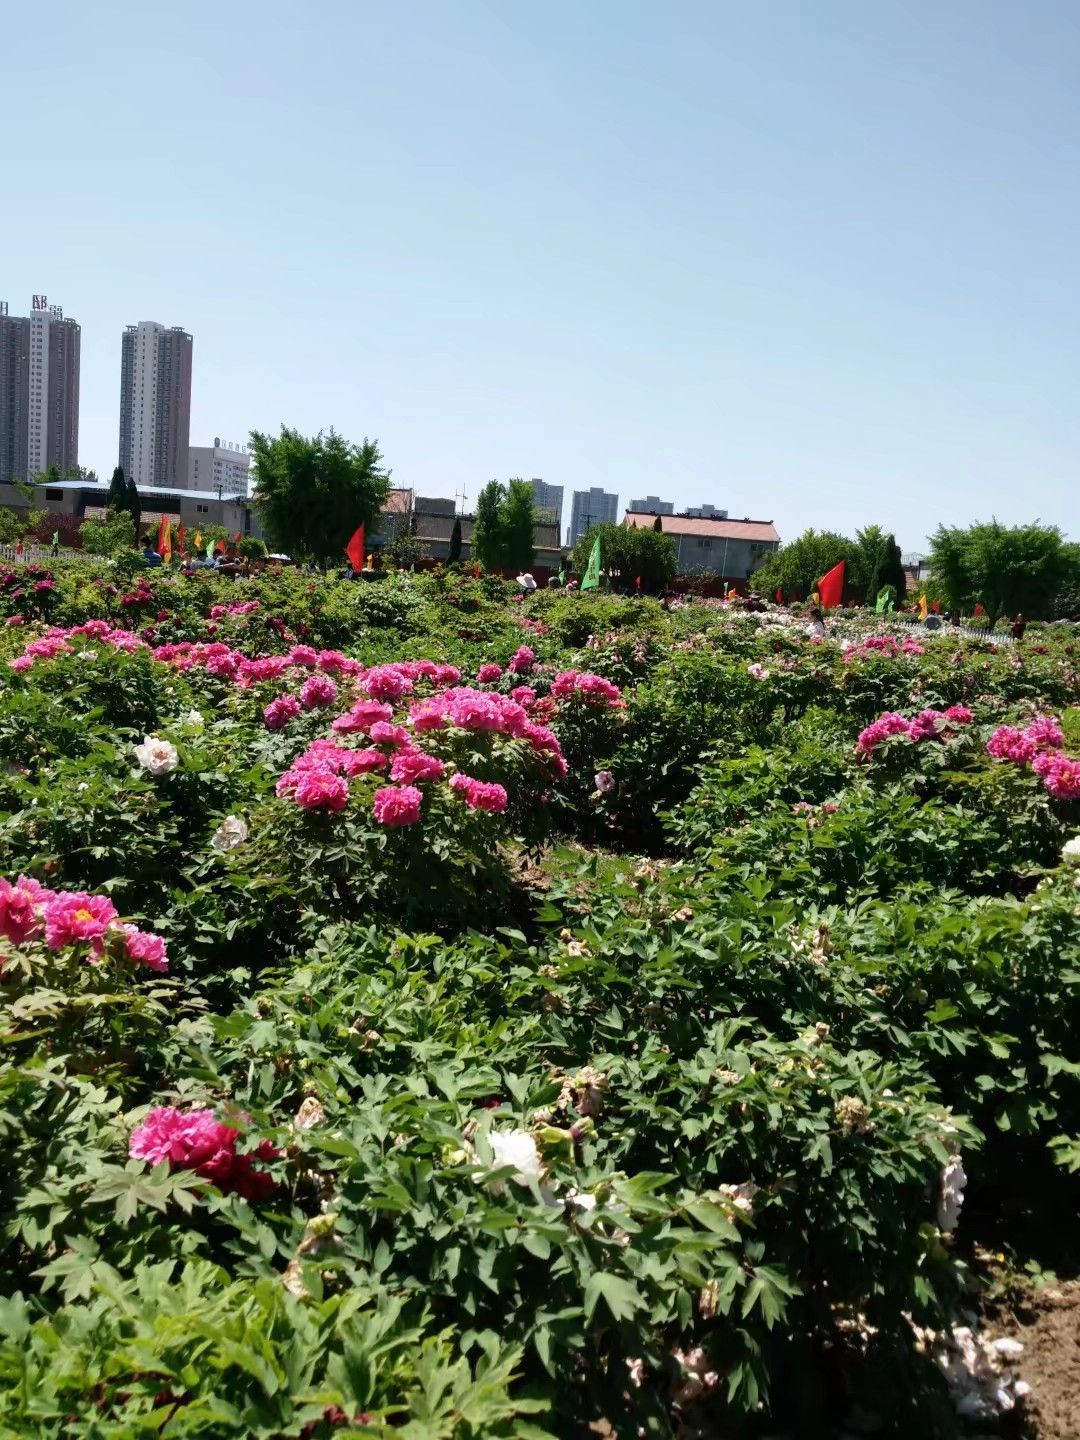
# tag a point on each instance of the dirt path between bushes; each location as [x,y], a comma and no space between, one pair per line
[1047,1324]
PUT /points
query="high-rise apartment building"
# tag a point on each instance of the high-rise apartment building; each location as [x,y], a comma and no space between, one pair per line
[651,505]
[218,467]
[155,404]
[591,507]
[39,391]
[705,512]
[548,498]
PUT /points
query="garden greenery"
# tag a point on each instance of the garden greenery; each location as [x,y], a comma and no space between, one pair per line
[438,1012]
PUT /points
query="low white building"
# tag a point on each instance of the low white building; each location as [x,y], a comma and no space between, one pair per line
[220,469]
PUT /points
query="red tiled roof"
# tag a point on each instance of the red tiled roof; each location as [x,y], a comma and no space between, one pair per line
[718,529]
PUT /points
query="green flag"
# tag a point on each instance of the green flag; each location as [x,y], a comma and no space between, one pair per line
[885,599]
[592,571]
[56,537]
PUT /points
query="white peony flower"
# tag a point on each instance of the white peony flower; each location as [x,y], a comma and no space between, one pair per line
[157,756]
[1071,851]
[741,1197]
[191,717]
[516,1148]
[950,1195]
[310,1112]
[230,833]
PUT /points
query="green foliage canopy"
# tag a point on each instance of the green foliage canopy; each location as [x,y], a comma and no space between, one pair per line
[315,491]
[109,536]
[627,552]
[1006,569]
[796,568]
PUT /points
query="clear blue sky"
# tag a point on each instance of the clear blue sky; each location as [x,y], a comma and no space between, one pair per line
[814,262]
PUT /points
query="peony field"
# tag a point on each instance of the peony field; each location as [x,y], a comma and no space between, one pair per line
[437,1012]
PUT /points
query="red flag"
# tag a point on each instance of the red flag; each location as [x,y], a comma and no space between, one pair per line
[831,588]
[355,549]
[180,537]
[637,582]
[979,609]
[779,596]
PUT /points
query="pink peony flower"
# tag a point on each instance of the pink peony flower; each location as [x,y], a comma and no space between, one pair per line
[19,918]
[890,723]
[1045,733]
[960,715]
[317,690]
[488,674]
[523,695]
[583,682]
[385,682]
[1008,743]
[145,948]
[361,716]
[397,805]
[1059,773]
[280,711]
[384,734]
[522,660]
[72,917]
[321,789]
[197,1140]
[412,765]
[480,794]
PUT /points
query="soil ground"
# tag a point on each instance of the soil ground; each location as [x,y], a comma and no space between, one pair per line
[1047,1323]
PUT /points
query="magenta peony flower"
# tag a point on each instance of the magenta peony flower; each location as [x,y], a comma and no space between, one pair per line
[1059,773]
[362,716]
[385,682]
[321,790]
[397,805]
[72,917]
[145,948]
[19,917]
[1008,743]
[197,1140]
[280,711]
[317,690]
[522,660]
[412,765]
[488,674]
[1045,733]
[384,734]
[583,682]
[960,715]
[480,794]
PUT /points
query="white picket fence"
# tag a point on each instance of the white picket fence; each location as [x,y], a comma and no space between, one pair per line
[31,554]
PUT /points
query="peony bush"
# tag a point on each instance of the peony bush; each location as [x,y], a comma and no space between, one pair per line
[432,1012]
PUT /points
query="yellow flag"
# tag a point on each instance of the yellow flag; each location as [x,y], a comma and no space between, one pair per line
[198,539]
[924,609]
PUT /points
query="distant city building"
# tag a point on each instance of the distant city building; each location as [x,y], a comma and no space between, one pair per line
[591,507]
[219,468]
[39,391]
[548,499]
[706,512]
[730,549]
[155,404]
[651,505]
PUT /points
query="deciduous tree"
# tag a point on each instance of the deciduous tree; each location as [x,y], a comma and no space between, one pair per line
[1006,569]
[314,492]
